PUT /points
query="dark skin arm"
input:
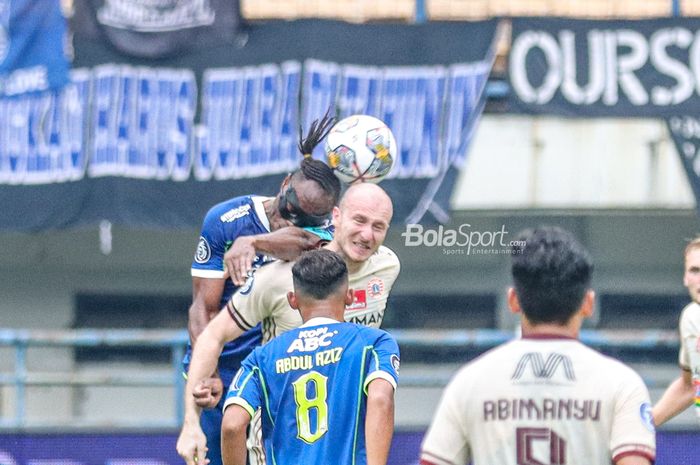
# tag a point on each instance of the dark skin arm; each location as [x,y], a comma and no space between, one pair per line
[286,243]
[206,294]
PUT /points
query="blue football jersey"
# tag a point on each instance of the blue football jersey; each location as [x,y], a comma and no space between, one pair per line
[311,383]
[223,224]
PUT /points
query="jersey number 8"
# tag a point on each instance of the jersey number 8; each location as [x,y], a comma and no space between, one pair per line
[318,384]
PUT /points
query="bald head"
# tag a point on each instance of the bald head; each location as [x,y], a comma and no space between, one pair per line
[361,223]
[368,194]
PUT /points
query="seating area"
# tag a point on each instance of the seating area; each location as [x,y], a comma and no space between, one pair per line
[406,10]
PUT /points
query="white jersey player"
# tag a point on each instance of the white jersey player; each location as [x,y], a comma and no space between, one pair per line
[685,390]
[361,223]
[545,399]
[264,298]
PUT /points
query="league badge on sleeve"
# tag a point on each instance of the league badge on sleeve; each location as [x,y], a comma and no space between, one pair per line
[203,253]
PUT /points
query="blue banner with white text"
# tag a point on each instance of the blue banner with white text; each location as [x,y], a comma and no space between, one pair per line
[156,146]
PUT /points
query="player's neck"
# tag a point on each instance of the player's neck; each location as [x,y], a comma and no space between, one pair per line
[323,310]
[570,330]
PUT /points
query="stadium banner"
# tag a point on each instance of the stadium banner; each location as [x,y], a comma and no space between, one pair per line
[605,68]
[673,448]
[685,132]
[150,29]
[147,146]
[32,40]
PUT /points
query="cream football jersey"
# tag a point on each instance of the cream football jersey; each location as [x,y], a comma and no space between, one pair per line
[264,297]
[545,401]
[689,354]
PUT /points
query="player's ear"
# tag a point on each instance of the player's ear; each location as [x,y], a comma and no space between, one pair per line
[336,215]
[349,297]
[292,299]
[285,182]
[513,302]
[588,304]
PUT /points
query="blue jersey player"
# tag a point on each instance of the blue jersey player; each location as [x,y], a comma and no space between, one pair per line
[265,225]
[326,389]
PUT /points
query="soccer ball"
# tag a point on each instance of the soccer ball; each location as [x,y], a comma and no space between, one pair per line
[360,148]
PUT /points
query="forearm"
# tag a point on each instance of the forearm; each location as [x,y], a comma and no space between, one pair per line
[379,427]
[204,362]
[286,243]
[678,396]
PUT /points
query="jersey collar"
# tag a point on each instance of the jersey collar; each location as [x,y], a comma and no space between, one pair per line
[260,209]
[319,320]
[549,336]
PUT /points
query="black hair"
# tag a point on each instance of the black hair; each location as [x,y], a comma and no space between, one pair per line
[551,273]
[319,273]
[316,170]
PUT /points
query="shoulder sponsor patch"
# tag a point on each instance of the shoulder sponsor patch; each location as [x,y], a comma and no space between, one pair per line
[645,414]
[375,287]
[235,213]
[203,253]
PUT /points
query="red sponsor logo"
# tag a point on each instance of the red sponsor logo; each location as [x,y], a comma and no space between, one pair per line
[359,300]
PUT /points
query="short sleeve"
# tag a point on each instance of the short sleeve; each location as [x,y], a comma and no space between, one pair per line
[263,296]
[632,430]
[208,259]
[245,389]
[384,361]
[445,442]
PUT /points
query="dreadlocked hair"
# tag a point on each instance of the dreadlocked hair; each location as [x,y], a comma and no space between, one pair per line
[317,131]
[313,169]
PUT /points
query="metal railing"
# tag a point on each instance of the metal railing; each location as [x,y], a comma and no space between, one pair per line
[22,340]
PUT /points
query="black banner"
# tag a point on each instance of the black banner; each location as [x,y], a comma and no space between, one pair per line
[157,29]
[685,132]
[145,145]
[586,68]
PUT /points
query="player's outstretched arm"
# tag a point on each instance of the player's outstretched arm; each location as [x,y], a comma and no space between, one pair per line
[379,422]
[191,443]
[285,243]
[678,396]
[233,435]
